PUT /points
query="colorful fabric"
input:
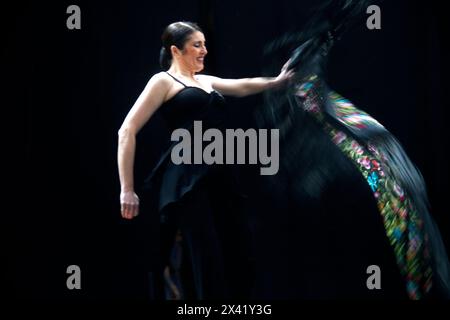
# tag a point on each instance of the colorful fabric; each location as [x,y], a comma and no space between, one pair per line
[404,227]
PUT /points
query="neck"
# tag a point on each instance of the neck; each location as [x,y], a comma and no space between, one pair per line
[176,68]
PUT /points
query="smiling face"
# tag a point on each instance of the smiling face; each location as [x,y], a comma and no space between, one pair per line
[193,53]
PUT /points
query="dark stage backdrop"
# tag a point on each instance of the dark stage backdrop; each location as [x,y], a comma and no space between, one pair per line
[69,91]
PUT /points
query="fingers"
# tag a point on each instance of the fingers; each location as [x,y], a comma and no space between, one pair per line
[176,294]
[285,66]
[286,77]
[129,211]
[123,209]
[136,210]
[290,74]
[126,209]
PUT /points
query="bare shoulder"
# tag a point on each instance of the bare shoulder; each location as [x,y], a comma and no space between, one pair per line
[161,79]
[159,86]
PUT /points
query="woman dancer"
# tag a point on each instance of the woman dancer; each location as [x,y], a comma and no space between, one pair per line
[187,198]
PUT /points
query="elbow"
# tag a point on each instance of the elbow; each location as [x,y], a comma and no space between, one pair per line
[125,132]
[122,132]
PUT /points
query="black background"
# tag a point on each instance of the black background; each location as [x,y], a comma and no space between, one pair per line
[69,91]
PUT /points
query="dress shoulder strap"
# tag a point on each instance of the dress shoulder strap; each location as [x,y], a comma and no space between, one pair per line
[176,79]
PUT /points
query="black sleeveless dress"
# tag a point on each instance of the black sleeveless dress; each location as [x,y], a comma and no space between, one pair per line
[188,105]
[187,195]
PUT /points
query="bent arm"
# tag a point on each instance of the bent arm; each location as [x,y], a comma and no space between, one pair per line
[148,102]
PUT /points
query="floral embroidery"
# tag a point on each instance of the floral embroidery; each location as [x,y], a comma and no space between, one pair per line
[402,223]
[349,115]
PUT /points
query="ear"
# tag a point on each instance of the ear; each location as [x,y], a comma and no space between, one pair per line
[175,51]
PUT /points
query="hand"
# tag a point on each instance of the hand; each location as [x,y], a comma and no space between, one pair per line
[129,203]
[285,75]
[175,293]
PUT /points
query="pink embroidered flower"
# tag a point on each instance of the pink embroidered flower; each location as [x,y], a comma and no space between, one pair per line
[360,125]
[403,213]
[357,148]
[365,162]
[339,137]
[399,192]
[313,107]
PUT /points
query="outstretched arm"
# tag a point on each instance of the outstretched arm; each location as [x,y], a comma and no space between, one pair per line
[148,102]
[248,86]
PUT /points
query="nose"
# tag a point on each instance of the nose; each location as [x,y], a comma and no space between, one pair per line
[204,51]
